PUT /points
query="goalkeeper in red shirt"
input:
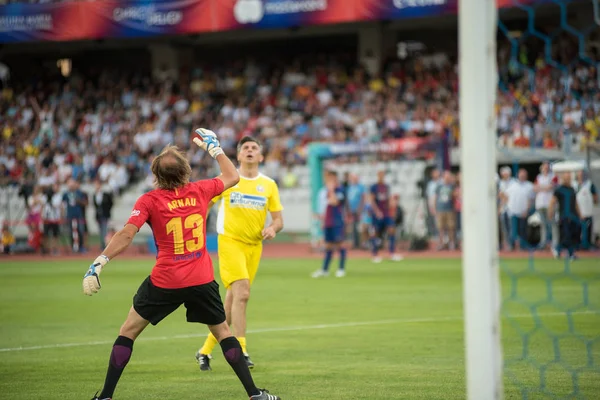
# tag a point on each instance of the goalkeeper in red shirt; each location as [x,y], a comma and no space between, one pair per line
[183,273]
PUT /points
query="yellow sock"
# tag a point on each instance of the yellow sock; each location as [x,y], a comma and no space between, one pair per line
[209,344]
[242,341]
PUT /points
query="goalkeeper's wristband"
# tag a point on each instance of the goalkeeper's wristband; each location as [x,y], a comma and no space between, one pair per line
[102,260]
[215,152]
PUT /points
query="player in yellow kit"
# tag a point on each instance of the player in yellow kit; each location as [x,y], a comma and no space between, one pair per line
[241,227]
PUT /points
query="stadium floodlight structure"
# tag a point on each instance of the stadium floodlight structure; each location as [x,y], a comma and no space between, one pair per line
[481,276]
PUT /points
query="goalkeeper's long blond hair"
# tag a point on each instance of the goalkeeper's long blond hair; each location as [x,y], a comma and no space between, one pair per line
[171,169]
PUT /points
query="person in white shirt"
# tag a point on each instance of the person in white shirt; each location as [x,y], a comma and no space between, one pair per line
[503,184]
[107,168]
[430,191]
[587,197]
[544,189]
[51,217]
[518,198]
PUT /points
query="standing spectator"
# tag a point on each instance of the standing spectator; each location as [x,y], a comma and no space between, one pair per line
[506,180]
[444,211]
[569,223]
[4,176]
[8,240]
[103,202]
[321,207]
[34,215]
[34,240]
[587,197]
[519,198]
[544,188]
[74,200]
[26,189]
[458,210]
[107,169]
[84,204]
[397,214]
[51,217]
[430,194]
[356,200]
[289,179]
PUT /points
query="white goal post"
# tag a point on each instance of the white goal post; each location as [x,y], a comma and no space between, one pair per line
[481,278]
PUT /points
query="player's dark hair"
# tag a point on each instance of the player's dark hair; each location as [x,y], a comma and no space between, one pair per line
[247,139]
[171,169]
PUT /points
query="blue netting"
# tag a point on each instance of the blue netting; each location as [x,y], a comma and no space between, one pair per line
[551,308]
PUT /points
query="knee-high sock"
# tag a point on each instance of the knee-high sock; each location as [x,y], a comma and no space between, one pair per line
[342,259]
[374,246]
[209,344]
[327,260]
[242,341]
[119,357]
[235,357]
[392,243]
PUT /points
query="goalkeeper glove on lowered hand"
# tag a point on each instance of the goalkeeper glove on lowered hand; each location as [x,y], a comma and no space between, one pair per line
[91,280]
[208,141]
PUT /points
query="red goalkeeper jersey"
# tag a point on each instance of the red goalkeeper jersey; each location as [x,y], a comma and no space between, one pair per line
[177,219]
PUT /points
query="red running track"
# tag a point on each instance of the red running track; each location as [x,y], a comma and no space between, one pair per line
[288,250]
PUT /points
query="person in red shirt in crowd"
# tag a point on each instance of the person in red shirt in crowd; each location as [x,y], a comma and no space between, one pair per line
[548,142]
[16,173]
[183,273]
[521,141]
[34,239]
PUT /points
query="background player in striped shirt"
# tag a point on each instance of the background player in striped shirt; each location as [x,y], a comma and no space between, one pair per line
[382,221]
[183,273]
[241,227]
[334,225]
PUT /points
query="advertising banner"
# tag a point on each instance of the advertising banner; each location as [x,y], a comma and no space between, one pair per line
[40,22]
[235,14]
[21,22]
[394,146]
[140,18]
[396,9]
[103,19]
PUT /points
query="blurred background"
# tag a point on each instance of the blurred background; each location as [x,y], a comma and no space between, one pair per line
[91,90]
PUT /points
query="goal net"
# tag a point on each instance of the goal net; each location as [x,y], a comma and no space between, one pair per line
[532,325]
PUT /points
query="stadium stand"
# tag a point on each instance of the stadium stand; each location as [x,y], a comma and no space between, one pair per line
[108,124]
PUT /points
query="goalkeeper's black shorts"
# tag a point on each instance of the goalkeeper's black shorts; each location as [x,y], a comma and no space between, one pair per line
[203,302]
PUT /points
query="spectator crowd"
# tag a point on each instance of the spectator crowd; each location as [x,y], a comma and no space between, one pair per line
[105,124]
[526,219]
[56,219]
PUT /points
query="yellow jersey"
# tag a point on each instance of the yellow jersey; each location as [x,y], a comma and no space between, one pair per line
[243,208]
[8,239]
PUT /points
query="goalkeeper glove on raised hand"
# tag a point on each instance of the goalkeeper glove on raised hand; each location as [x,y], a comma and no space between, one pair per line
[208,141]
[91,280]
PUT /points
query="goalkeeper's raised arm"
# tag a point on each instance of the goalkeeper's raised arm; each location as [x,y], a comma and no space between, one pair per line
[207,140]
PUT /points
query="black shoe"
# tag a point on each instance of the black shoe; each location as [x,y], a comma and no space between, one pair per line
[203,361]
[98,398]
[249,362]
[264,395]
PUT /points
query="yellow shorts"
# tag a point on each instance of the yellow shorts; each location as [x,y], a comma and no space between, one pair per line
[238,260]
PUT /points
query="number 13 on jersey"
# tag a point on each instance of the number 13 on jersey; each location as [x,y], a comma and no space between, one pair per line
[175,226]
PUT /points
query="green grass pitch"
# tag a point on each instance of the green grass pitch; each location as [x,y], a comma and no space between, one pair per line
[388,331]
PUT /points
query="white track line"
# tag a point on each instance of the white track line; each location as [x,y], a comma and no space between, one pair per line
[281,329]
